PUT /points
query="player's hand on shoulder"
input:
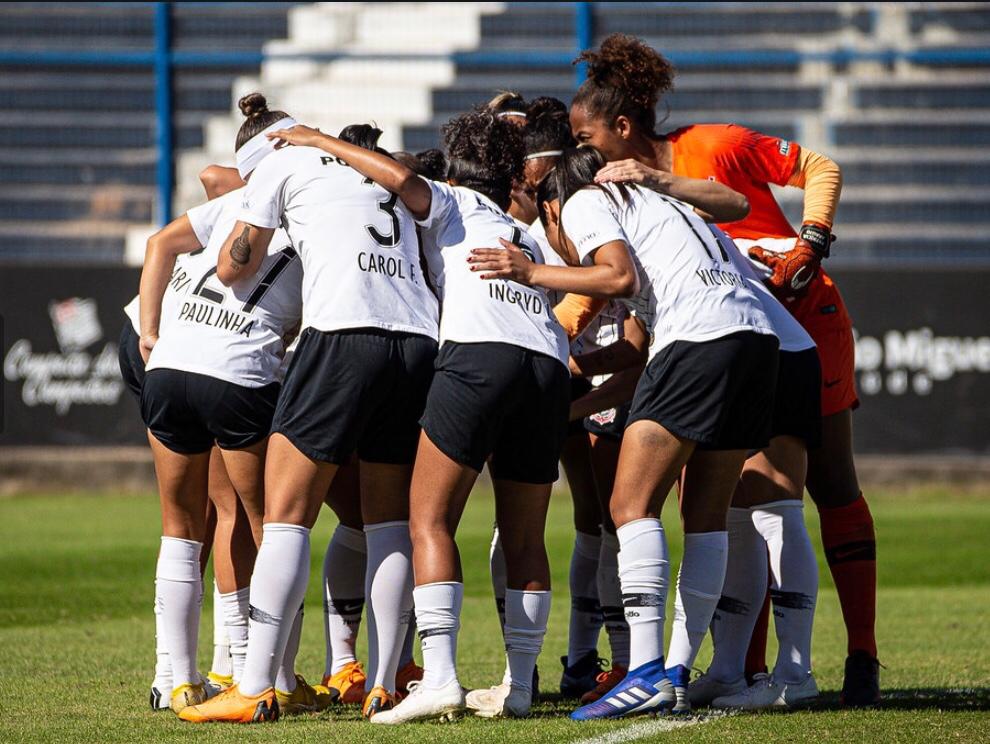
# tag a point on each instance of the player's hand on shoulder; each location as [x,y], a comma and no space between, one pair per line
[632,171]
[508,262]
[300,135]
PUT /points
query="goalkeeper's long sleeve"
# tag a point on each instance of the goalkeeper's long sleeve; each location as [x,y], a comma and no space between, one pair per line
[821,180]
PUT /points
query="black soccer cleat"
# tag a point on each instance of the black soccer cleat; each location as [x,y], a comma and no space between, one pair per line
[582,676]
[861,686]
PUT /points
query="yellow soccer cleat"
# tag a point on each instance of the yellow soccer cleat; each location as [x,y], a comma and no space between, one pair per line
[188,694]
[409,673]
[378,699]
[220,681]
[348,682]
[230,706]
[304,699]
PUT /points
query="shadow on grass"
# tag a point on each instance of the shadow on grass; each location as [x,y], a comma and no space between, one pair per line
[919,698]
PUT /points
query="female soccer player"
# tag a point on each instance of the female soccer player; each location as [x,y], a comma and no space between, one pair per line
[702,402]
[212,376]
[615,111]
[357,382]
[500,395]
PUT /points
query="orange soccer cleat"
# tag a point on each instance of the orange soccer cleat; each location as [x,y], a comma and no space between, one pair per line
[378,699]
[409,673]
[230,706]
[606,681]
[348,682]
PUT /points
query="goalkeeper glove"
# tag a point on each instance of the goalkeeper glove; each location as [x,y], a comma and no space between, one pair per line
[795,269]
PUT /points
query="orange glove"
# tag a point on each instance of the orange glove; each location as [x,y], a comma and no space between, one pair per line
[794,270]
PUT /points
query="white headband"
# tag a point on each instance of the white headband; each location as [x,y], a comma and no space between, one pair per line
[503,114]
[544,154]
[255,149]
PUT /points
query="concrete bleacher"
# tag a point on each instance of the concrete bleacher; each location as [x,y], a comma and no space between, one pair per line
[881,87]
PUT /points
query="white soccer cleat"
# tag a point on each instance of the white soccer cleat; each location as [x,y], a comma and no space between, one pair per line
[501,701]
[703,690]
[424,704]
[767,692]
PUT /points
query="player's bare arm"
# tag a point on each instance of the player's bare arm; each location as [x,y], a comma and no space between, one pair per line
[615,391]
[243,252]
[629,351]
[613,274]
[714,201]
[387,172]
[159,260]
[218,180]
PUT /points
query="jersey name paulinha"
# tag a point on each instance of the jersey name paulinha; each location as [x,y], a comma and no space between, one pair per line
[360,254]
[690,287]
[476,310]
[236,333]
[202,218]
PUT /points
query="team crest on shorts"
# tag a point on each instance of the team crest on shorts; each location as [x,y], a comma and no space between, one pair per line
[603,418]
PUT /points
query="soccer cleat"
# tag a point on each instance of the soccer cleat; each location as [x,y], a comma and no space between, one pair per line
[582,676]
[220,681]
[680,678]
[348,682]
[188,694]
[501,701]
[411,672]
[767,692]
[706,688]
[422,704]
[606,681]
[230,706]
[645,689]
[861,684]
[304,699]
[378,699]
[160,698]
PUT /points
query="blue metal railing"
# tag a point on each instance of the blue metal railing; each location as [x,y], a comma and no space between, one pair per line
[163,59]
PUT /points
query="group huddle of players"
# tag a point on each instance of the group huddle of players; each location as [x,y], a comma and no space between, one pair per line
[559,285]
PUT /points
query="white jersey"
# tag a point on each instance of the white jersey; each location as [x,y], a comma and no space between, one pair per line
[236,333]
[478,310]
[690,287]
[791,333]
[202,218]
[360,255]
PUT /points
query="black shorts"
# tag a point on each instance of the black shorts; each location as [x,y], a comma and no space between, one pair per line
[797,405]
[609,423]
[189,412]
[129,357]
[358,390]
[716,393]
[580,386]
[503,401]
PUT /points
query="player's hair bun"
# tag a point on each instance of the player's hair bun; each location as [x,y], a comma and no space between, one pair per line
[253,105]
[433,164]
[634,73]
[547,126]
[545,106]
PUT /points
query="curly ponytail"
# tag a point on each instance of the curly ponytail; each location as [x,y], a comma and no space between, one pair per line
[625,78]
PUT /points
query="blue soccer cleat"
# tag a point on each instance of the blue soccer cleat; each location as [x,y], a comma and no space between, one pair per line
[645,689]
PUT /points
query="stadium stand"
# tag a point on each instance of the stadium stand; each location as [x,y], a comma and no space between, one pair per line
[897,93]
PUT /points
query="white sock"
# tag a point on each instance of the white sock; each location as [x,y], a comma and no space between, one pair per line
[496,564]
[610,597]
[794,587]
[408,643]
[163,665]
[234,607]
[742,597]
[699,585]
[644,575]
[221,643]
[388,587]
[344,566]
[438,616]
[278,585]
[586,613]
[180,587]
[526,615]
[285,674]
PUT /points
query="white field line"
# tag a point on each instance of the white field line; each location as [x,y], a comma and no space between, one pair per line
[649,728]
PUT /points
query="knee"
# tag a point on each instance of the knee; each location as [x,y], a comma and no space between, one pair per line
[624,512]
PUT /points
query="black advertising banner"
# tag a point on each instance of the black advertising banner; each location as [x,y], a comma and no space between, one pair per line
[922,358]
[61,379]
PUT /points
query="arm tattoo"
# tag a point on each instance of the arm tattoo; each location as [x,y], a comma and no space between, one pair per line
[240,249]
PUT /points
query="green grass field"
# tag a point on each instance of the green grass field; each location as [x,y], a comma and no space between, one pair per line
[76,634]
